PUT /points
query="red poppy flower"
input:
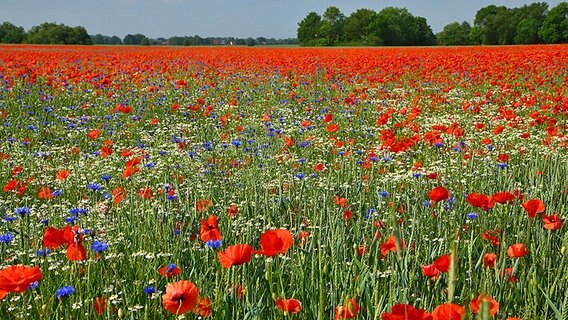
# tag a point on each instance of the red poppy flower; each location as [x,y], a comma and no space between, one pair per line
[442,263]
[479,200]
[99,305]
[45,193]
[129,170]
[509,276]
[533,206]
[203,205]
[169,271]
[118,195]
[288,305]
[18,278]
[327,118]
[438,194]
[448,311]
[3,294]
[430,271]
[10,185]
[273,242]
[209,229]
[232,210]
[552,222]
[62,175]
[517,250]
[146,193]
[53,238]
[476,303]
[489,260]
[93,134]
[405,312]
[180,297]
[342,202]
[203,308]
[348,311]
[235,255]
[332,128]
[76,252]
[492,236]
[390,245]
[503,197]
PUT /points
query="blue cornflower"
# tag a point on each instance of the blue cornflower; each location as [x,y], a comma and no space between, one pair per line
[214,244]
[149,290]
[106,177]
[64,291]
[502,165]
[6,237]
[236,143]
[99,246]
[34,285]
[300,176]
[22,211]
[78,211]
[304,143]
[427,203]
[384,194]
[171,197]
[438,144]
[374,158]
[369,213]
[106,196]
[150,165]
[94,186]
[9,218]
[471,215]
[70,220]
[416,175]
[43,252]
[56,192]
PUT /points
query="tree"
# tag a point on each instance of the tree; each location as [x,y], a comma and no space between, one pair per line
[530,18]
[52,33]
[358,28]
[398,27]
[308,29]
[10,33]
[133,39]
[555,26]
[331,27]
[455,34]
[423,34]
[486,24]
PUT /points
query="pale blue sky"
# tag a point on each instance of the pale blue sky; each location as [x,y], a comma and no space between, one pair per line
[235,18]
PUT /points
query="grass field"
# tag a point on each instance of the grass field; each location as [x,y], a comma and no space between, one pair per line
[283,183]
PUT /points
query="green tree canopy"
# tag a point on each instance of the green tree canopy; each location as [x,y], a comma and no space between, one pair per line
[52,33]
[455,34]
[10,33]
[308,29]
[358,28]
[331,27]
[555,26]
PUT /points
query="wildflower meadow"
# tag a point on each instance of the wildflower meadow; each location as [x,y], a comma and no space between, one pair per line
[283,183]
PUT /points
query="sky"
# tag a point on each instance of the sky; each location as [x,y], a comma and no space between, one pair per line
[224,18]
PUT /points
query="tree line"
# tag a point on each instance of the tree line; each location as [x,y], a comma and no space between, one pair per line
[493,25]
[45,33]
[53,33]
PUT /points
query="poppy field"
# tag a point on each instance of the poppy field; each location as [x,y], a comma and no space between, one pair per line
[283,183]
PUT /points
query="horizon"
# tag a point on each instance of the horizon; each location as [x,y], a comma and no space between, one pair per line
[245,19]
